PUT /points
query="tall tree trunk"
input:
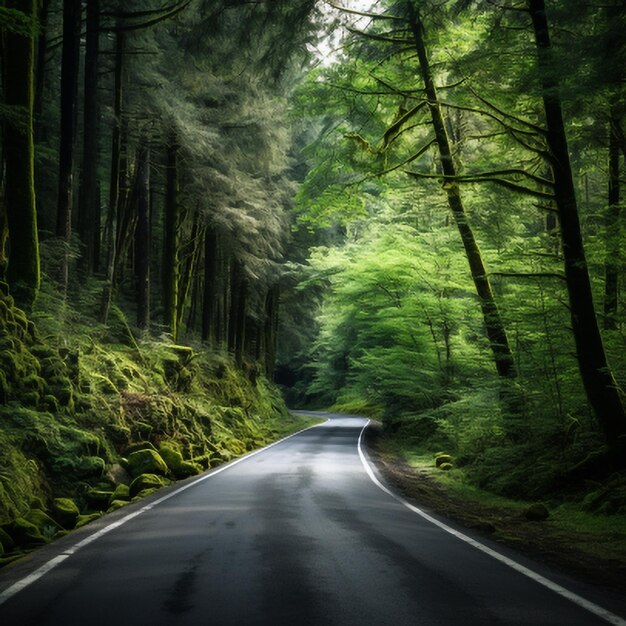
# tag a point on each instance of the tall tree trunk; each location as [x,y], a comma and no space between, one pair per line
[270,330]
[209,305]
[23,272]
[237,313]
[72,14]
[170,251]
[114,185]
[142,250]
[89,215]
[496,333]
[40,73]
[613,238]
[600,385]
[190,253]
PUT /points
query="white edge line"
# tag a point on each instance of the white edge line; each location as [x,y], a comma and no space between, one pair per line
[597,610]
[21,584]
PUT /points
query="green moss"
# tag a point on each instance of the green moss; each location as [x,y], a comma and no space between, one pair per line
[203,460]
[44,523]
[141,445]
[122,492]
[144,492]
[443,458]
[146,462]
[25,533]
[98,499]
[85,519]
[175,462]
[116,504]
[145,481]
[65,512]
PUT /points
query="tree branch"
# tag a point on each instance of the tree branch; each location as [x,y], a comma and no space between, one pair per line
[530,275]
[375,16]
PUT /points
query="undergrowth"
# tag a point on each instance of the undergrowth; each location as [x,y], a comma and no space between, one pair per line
[80,402]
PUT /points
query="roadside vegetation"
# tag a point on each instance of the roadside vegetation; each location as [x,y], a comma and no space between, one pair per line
[465,273]
[93,419]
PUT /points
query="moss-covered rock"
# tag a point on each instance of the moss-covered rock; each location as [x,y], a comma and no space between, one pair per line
[176,463]
[116,504]
[203,460]
[146,462]
[440,459]
[140,445]
[25,533]
[145,481]
[85,519]
[46,526]
[98,499]
[144,492]
[122,492]
[65,512]
[445,467]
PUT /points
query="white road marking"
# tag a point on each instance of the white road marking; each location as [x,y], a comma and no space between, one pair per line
[597,610]
[21,584]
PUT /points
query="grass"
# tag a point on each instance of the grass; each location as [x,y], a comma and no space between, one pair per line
[589,544]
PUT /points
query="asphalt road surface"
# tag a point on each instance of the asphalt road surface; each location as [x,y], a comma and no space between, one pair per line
[298,533]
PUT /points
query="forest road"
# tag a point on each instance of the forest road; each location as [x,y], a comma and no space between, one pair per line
[298,533]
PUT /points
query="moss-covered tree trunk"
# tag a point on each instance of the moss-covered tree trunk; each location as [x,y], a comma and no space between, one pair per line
[496,333]
[23,273]
[170,244]
[600,385]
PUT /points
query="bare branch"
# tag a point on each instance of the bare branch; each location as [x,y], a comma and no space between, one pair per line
[375,16]
[362,33]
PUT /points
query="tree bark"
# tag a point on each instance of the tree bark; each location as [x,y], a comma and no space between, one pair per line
[72,16]
[114,185]
[89,214]
[613,239]
[270,330]
[209,304]
[600,385]
[40,73]
[23,273]
[496,333]
[170,251]
[237,312]
[142,251]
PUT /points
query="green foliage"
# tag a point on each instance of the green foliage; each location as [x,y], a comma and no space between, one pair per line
[131,400]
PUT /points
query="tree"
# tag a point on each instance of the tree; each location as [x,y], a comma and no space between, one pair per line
[72,21]
[23,272]
[89,214]
[598,380]
[493,322]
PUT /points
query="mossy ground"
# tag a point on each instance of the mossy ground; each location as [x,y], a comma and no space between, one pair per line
[77,398]
[589,543]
